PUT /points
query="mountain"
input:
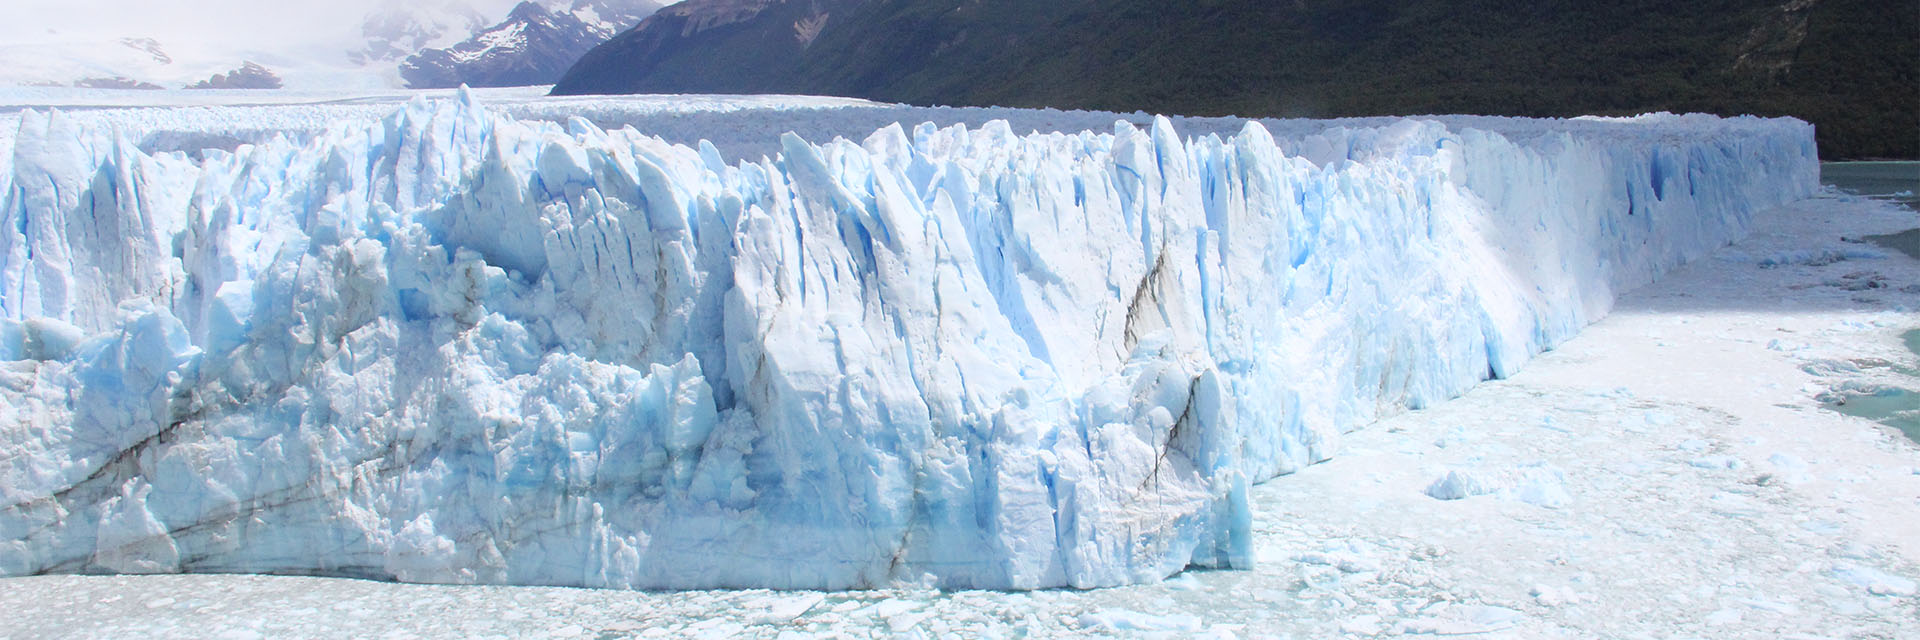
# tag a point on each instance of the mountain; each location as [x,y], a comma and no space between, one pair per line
[719,46]
[249,76]
[116,82]
[533,46]
[1852,67]
[394,33]
[337,44]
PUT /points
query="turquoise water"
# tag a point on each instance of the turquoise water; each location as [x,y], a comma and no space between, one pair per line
[1894,407]
[1898,181]
[1897,408]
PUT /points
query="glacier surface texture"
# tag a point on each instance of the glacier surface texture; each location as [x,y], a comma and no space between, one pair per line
[453,345]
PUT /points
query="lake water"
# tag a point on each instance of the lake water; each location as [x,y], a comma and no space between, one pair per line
[1898,181]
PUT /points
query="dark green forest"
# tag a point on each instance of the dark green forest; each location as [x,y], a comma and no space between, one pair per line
[1851,67]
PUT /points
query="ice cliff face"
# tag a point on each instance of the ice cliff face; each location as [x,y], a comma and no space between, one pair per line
[456,347]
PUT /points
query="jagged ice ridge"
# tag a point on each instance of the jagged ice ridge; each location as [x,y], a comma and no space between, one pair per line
[454,346]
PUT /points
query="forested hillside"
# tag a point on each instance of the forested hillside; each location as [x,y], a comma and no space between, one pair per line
[1852,67]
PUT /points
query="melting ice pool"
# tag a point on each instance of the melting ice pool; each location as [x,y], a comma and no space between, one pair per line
[1897,408]
[1891,406]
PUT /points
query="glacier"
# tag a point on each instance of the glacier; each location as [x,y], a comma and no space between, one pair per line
[448,344]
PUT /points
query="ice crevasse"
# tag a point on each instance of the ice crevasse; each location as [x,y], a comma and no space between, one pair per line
[451,346]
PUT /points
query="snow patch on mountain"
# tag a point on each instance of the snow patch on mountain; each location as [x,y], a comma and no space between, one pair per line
[709,14]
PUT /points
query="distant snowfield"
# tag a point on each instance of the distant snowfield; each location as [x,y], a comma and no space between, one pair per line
[1700,492]
[297,112]
[678,119]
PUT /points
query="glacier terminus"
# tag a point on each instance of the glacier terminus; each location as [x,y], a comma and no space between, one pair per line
[460,342]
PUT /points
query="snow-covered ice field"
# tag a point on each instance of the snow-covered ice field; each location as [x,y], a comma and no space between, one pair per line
[1668,472]
[1699,490]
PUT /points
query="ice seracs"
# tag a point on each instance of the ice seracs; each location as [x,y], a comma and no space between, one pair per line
[452,346]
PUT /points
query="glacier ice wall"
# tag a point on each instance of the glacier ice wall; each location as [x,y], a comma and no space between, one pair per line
[452,346]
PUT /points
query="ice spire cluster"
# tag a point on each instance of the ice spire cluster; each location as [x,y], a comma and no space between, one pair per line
[453,346]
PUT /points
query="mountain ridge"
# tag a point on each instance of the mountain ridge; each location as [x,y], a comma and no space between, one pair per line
[1852,67]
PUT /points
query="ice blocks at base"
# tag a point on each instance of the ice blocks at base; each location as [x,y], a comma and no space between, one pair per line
[452,346]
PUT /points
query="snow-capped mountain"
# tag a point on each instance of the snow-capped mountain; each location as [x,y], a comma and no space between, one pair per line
[340,44]
[534,45]
[397,32]
[133,62]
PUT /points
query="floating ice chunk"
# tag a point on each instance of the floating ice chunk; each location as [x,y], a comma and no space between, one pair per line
[1111,620]
[1823,527]
[1461,620]
[1350,556]
[1455,435]
[1806,257]
[1787,462]
[902,623]
[1457,484]
[1542,487]
[1534,484]
[1366,625]
[783,610]
[1548,596]
[1492,616]
[1875,581]
[1782,608]
[1717,462]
